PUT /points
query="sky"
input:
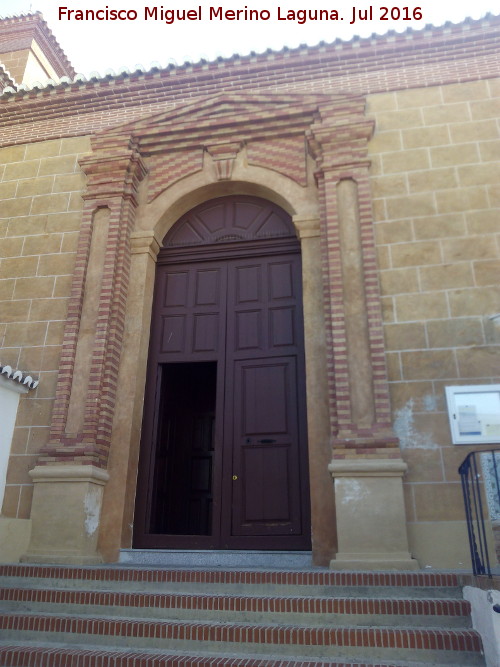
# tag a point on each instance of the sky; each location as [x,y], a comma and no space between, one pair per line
[103,45]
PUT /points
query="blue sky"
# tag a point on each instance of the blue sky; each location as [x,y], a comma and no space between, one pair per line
[101,45]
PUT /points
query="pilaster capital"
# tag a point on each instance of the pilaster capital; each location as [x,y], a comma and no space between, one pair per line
[113,174]
[145,241]
[338,140]
[307,227]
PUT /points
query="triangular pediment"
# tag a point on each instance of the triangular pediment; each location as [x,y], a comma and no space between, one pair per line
[217,119]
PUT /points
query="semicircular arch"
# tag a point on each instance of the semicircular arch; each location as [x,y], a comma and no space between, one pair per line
[230,219]
[184,195]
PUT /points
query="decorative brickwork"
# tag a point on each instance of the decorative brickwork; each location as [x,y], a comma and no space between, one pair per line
[339,140]
[452,53]
[385,153]
[112,184]
[169,168]
[289,152]
[352,297]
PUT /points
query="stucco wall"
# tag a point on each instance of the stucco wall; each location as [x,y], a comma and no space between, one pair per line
[40,188]
[436,192]
[9,401]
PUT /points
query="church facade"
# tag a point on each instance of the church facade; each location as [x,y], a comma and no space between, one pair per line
[232,294]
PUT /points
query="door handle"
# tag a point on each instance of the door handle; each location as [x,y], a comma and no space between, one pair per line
[266,441]
[235,477]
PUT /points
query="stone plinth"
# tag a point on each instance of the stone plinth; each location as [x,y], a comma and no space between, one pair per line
[66,514]
[371,522]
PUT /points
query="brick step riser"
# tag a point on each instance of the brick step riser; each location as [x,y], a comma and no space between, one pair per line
[265,589]
[246,577]
[434,638]
[314,638]
[285,618]
[296,610]
[39,656]
[331,652]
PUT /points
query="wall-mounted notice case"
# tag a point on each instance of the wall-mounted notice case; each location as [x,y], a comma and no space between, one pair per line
[474,413]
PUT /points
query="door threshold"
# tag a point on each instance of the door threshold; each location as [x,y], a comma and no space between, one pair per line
[195,558]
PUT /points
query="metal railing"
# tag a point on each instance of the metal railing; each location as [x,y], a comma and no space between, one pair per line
[480,475]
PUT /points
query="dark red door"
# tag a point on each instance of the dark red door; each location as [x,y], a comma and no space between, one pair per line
[223,458]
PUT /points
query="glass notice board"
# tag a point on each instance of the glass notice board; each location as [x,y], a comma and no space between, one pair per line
[474,413]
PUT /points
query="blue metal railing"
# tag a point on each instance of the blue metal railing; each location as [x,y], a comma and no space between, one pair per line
[480,475]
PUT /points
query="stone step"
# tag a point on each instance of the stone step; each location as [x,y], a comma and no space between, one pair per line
[251,581]
[168,558]
[119,616]
[303,610]
[40,655]
[428,646]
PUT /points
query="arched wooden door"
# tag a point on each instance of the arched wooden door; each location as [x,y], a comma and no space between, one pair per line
[223,460]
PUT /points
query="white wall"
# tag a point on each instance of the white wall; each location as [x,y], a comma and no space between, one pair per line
[9,401]
[486,621]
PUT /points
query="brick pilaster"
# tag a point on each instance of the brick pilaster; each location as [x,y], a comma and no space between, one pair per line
[360,416]
[112,183]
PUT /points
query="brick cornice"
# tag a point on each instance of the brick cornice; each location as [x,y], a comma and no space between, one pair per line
[218,120]
[173,142]
[431,57]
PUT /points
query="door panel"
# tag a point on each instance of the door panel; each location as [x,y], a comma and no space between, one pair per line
[281,280]
[266,493]
[282,327]
[248,333]
[265,489]
[190,307]
[261,390]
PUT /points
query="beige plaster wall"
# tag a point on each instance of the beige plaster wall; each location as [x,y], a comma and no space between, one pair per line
[14,538]
[436,188]
[40,193]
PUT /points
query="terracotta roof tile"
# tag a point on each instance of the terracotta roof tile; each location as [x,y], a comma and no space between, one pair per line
[391,39]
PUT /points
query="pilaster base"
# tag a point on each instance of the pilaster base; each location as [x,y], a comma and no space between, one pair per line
[65,514]
[371,521]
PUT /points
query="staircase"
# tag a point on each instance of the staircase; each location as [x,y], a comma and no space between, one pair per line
[115,616]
